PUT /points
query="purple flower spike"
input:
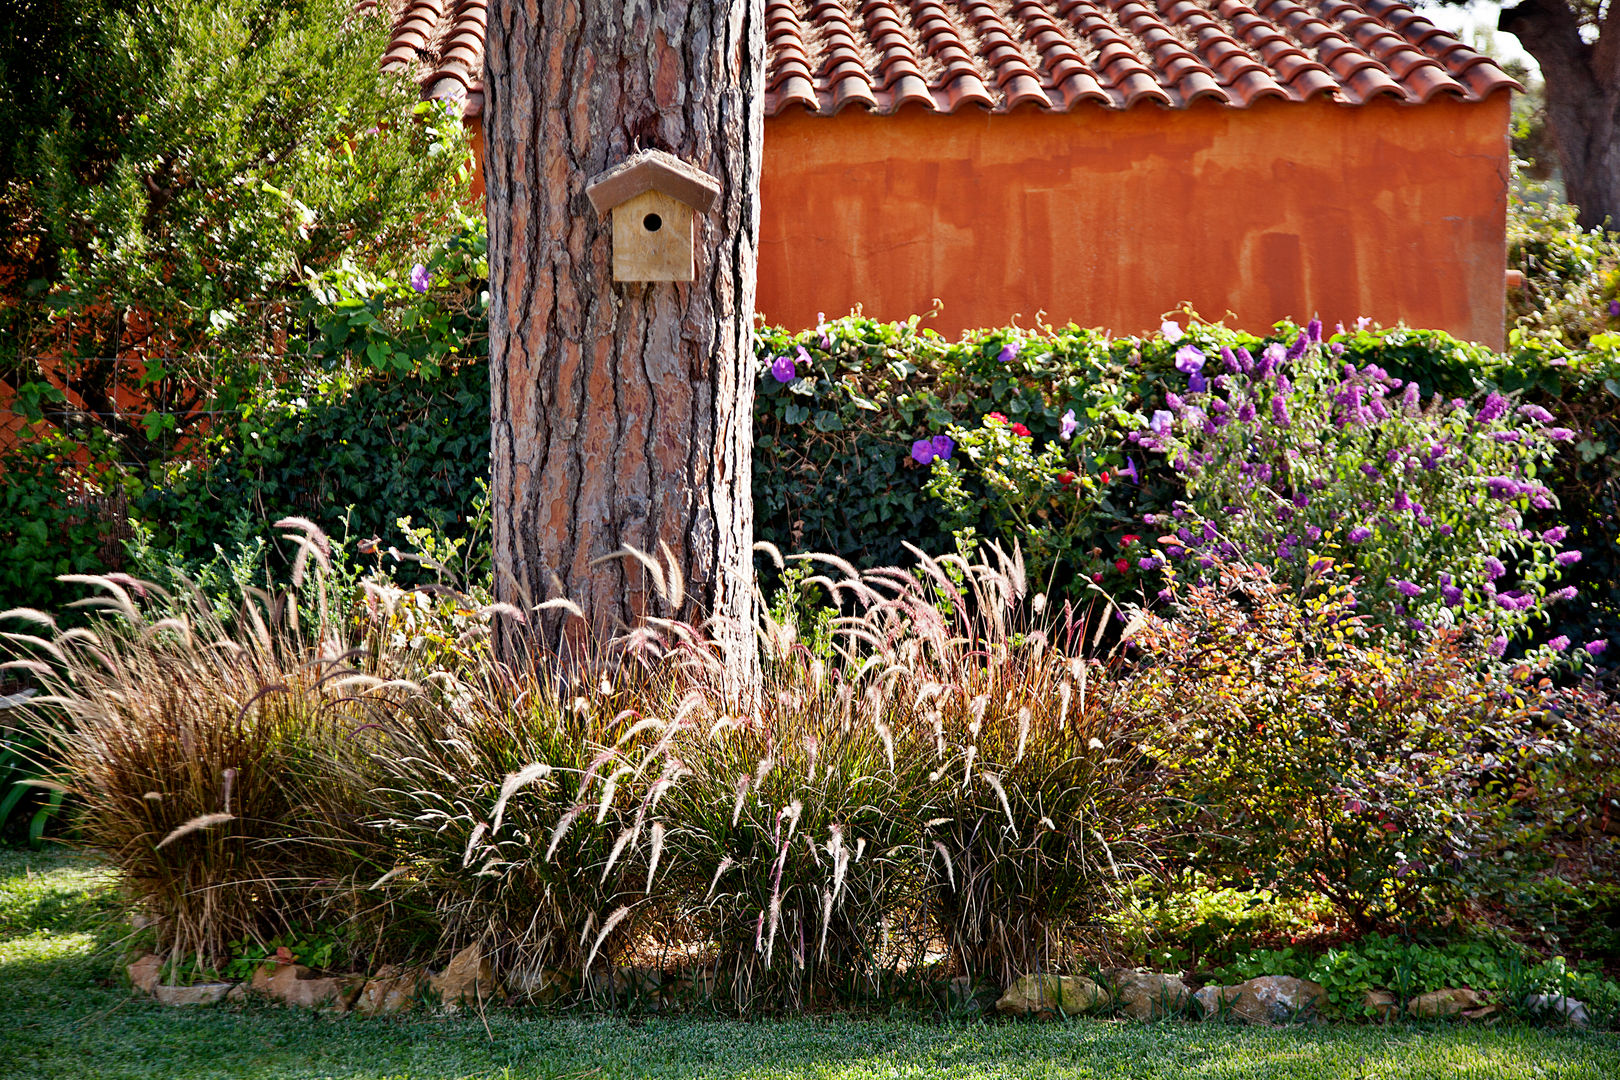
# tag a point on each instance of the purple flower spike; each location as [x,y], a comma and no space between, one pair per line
[1560,434]
[1556,534]
[782,369]
[1567,558]
[1493,567]
[1559,643]
[1596,648]
[1498,645]
[1407,588]
[1614,309]
[1536,413]
[1495,405]
[1313,330]
[1297,349]
[1189,360]
[1452,595]
[1279,411]
[1359,534]
[420,278]
[1009,352]
[1067,426]
[943,446]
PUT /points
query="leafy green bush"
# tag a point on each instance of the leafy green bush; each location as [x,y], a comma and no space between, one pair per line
[1314,761]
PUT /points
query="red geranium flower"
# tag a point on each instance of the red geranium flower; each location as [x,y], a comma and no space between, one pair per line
[1129,538]
[1105,476]
[995,416]
[1020,429]
[1122,565]
[1066,478]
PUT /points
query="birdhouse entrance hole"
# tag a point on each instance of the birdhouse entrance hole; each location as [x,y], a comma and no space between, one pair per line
[652,223]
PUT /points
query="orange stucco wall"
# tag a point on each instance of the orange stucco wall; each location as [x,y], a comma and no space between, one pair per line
[1111,218]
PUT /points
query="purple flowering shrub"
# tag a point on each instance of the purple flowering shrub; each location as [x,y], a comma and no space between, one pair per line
[1296,458]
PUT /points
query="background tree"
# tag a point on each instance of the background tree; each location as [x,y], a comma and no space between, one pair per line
[1577,44]
[168,171]
[621,412]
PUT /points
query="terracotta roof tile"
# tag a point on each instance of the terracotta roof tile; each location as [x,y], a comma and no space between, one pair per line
[950,55]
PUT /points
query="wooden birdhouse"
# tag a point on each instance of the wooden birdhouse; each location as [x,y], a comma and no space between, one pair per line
[654,198]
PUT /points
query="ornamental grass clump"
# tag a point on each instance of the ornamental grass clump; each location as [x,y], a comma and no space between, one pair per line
[1296,458]
[191,749]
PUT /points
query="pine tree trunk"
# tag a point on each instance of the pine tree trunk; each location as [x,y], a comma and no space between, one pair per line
[1583,100]
[621,412]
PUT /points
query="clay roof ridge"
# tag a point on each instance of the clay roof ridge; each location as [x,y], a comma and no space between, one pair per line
[1001,55]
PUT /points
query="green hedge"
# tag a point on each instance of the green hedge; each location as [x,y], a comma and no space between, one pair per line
[833,465]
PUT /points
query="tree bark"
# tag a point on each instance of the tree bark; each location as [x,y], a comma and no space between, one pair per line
[1583,100]
[621,412]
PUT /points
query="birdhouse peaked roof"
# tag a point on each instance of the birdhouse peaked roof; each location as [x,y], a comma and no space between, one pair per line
[947,55]
[653,170]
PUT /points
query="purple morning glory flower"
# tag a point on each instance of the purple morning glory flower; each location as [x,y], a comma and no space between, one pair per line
[1493,567]
[1009,352]
[1363,321]
[1162,421]
[1407,588]
[922,451]
[782,369]
[1130,471]
[1567,558]
[1359,534]
[1170,330]
[1559,643]
[1596,648]
[420,278]
[1189,359]
[943,446]
[1067,426]
[1196,384]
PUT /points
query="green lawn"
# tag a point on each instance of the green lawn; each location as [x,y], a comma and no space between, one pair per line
[63,1013]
